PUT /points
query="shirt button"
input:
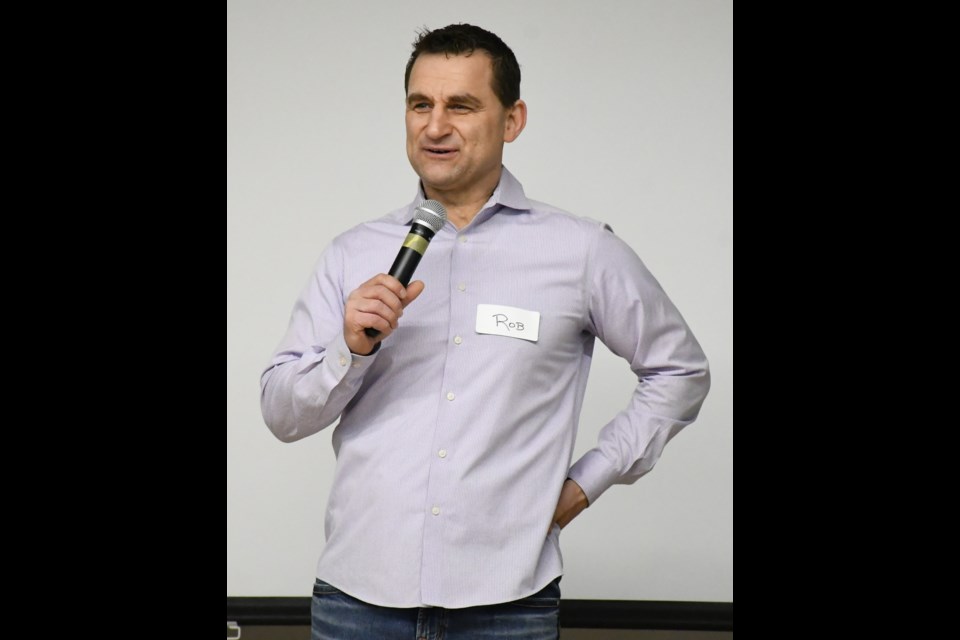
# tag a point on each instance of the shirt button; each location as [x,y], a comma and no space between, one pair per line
[457,340]
[462,287]
[343,361]
[442,453]
[463,238]
[450,396]
[435,511]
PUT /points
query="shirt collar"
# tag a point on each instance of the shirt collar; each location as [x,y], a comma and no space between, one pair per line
[509,194]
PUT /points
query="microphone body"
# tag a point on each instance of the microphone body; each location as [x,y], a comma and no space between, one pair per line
[410,253]
[429,217]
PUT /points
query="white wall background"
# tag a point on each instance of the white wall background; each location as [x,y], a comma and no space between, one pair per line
[630,121]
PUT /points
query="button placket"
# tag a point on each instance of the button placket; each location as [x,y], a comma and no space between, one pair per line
[450,419]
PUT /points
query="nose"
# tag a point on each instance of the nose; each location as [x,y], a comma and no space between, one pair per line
[439,124]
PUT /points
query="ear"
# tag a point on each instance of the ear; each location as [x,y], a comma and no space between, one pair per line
[516,121]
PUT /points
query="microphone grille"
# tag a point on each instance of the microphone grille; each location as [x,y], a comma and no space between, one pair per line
[431,214]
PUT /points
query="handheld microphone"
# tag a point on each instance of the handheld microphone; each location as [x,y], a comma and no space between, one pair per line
[429,217]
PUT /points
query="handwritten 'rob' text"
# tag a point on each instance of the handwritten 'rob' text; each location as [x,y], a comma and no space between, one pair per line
[502,320]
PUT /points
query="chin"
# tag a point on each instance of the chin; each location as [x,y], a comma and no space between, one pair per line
[436,179]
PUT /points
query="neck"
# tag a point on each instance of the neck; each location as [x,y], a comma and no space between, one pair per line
[460,213]
[463,207]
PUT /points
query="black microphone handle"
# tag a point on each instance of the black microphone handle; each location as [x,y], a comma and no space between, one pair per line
[405,264]
[407,260]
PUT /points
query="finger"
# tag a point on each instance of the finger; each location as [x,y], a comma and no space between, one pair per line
[379,294]
[377,308]
[414,289]
[387,297]
[387,281]
[373,321]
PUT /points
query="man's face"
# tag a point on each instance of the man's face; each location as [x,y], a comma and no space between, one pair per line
[456,125]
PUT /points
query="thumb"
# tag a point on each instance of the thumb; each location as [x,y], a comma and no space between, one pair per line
[414,289]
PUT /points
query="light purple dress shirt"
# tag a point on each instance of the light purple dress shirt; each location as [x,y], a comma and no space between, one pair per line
[453,445]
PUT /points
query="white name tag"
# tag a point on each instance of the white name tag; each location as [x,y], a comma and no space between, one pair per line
[511,322]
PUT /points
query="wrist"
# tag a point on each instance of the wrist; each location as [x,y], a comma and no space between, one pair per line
[376,347]
[581,496]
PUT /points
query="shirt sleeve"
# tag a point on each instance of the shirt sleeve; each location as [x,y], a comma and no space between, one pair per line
[312,375]
[631,314]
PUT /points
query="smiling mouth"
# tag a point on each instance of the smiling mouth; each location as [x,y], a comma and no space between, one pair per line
[439,152]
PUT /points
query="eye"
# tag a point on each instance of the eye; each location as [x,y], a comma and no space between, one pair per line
[420,107]
[460,108]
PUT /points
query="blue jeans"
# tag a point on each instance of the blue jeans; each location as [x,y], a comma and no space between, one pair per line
[337,616]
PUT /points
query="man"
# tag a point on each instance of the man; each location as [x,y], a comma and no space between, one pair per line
[458,421]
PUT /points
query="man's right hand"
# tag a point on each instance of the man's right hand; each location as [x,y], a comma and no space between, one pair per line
[379,302]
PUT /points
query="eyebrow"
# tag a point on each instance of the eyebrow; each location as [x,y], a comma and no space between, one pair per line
[461,98]
[417,97]
[465,98]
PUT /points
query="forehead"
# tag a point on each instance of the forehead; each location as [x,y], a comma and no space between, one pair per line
[436,73]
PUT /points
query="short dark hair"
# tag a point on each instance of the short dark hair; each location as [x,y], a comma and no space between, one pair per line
[457,39]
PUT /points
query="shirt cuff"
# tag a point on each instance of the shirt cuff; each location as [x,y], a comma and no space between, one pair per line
[344,364]
[594,474]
